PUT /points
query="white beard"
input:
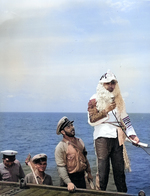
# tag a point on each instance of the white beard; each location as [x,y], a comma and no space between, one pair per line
[104,97]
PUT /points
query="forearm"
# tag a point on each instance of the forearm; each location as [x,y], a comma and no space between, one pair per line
[95,116]
[129,129]
[93,113]
[63,174]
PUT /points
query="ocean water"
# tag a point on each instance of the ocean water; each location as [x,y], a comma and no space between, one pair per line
[35,133]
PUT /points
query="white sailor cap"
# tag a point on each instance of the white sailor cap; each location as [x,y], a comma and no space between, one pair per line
[63,122]
[108,77]
[39,157]
[9,152]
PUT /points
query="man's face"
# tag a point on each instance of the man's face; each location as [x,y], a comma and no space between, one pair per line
[69,130]
[7,162]
[110,86]
[41,167]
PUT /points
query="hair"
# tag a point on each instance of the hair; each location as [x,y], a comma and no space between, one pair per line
[104,97]
[10,157]
[39,160]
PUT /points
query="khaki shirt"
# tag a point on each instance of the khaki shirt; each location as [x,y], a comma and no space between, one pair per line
[13,173]
[29,178]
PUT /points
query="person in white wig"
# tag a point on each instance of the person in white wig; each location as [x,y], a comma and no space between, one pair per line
[105,109]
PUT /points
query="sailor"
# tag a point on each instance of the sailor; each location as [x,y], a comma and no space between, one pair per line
[10,169]
[39,176]
[70,157]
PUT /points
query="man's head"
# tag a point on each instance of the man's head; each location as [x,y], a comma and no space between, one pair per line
[9,157]
[110,86]
[109,81]
[106,89]
[65,127]
[40,161]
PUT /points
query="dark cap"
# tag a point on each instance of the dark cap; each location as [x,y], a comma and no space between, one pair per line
[63,122]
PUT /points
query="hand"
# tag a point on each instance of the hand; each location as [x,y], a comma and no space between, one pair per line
[110,107]
[71,187]
[134,138]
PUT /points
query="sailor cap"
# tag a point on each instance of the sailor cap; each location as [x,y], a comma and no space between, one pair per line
[108,77]
[9,152]
[39,157]
[63,122]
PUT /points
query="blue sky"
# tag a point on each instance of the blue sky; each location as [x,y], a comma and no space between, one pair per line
[53,53]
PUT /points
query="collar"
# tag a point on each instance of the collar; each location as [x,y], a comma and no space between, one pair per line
[8,167]
[44,175]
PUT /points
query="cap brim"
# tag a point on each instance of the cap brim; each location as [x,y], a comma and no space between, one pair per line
[58,128]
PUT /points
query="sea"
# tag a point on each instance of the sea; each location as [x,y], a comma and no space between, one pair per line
[35,133]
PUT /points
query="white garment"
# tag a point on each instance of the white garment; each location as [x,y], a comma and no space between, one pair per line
[103,128]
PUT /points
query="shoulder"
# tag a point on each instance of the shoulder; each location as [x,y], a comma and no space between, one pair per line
[29,178]
[92,102]
[48,179]
[61,146]
[1,166]
[48,176]
[17,162]
[93,97]
[81,141]
[29,174]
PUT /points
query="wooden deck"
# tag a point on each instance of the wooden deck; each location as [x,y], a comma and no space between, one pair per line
[13,188]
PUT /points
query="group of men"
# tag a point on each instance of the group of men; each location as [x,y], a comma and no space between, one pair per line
[106,110]
[11,169]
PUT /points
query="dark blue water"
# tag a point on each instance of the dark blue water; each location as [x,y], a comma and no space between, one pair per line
[36,133]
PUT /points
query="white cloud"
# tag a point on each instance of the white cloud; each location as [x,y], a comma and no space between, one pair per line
[125,94]
[54,52]
[125,5]
[119,20]
[10,96]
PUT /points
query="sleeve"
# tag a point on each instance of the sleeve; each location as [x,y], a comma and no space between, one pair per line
[50,180]
[129,129]
[61,163]
[21,172]
[62,171]
[95,117]
[0,176]
[29,178]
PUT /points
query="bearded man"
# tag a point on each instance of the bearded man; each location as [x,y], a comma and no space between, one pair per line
[105,109]
[71,157]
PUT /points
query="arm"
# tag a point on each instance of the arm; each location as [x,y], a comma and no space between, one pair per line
[21,172]
[49,181]
[129,129]
[96,117]
[60,156]
[26,179]
[63,174]
[94,114]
